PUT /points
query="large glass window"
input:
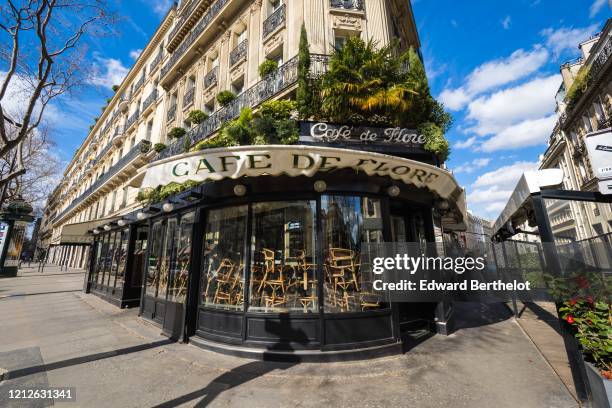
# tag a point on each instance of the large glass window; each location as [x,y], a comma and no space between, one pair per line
[348,222]
[283,268]
[155,258]
[104,261]
[96,264]
[168,257]
[121,257]
[111,269]
[223,258]
[179,273]
[140,252]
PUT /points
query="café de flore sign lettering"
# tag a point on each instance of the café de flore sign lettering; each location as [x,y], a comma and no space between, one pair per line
[293,161]
[329,133]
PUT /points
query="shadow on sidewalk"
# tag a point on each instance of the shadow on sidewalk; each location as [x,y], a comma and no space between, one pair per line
[22,372]
[247,372]
[473,314]
[545,316]
[39,293]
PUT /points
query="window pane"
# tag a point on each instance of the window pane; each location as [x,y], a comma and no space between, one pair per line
[121,256]
[168,257]
[347,222]
[115,237]
[177,288]
[140,252]
[154,258]
[283,268]
[223,258]
[96,264]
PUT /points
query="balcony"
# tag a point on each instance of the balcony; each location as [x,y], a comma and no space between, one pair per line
[239,53]
[213,11]
[171,113]
[357,5]
[187,17]
[282,80]
[276,20]
[211,78]
[149,101]
[138,84]
[155,63]
[119,135]
[138,152]
[124,102]
[132,119]
[188,98]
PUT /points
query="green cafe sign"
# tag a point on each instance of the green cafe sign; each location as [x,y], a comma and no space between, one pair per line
[294,161]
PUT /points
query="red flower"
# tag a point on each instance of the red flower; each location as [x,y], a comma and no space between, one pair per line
[570,319]
[573,302]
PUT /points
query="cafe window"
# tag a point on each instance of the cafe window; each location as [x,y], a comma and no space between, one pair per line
[168,257]
[96,264]
[121,257]
[155,258]
[140,253]
[179,273]
[102,261]
[110,268]
[223,258]
[283,262]
[347,223]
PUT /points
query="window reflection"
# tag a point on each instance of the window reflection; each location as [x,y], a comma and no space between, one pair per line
[154,258]
[121,258]
[177,288]
[223,258]
[167,259]
[347,222]
[283,269]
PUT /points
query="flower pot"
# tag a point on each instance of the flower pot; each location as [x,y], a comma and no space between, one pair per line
[601,388]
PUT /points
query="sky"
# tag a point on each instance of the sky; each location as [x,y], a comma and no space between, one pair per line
[494,64]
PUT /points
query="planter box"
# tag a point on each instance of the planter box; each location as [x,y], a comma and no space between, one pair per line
[601,388]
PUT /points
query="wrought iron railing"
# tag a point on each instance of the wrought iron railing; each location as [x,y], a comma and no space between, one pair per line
[188,98]
[347,4]
[276,19]
[139,83]
[265,89]
[133,118]
[239,52]
[171,113]
[211,78]
[141,148]
[207,18]
[150,99]
[156,61]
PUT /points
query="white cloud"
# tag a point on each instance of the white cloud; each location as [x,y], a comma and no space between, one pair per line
[505,177]
[530,132]
[493,74]
[596,7]
[134,54]
[161,7]
[470,167]
[530,100]
[107,72]
[506,22]
[566,38]
[469,142]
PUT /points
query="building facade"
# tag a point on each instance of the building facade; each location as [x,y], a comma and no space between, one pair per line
[263,252]
[584,108]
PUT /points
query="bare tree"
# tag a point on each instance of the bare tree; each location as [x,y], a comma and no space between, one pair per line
[43,48]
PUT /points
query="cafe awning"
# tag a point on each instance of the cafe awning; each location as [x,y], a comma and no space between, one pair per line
[298,160]
[78,233]
[519,209]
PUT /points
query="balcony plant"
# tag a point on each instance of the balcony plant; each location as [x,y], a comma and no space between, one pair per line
[159,147]
[268,67]
[177,133]
[379,86]
[195,117]
[225,97]
[579,87]
[155,195]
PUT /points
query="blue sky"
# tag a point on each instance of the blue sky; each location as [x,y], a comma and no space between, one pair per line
[494,64]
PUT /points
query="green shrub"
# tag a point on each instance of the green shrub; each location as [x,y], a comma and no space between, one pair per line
[176,133]
[159,147]
[435,141]
[196,117]
[579,87]
[115,88]
[155,195]
[306,91]
[225,97]
[278,109]
[268,67]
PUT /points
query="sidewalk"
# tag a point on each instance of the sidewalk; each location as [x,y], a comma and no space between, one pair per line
[51,333]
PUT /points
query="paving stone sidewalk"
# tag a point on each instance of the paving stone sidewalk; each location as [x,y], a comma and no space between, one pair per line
[59,336]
